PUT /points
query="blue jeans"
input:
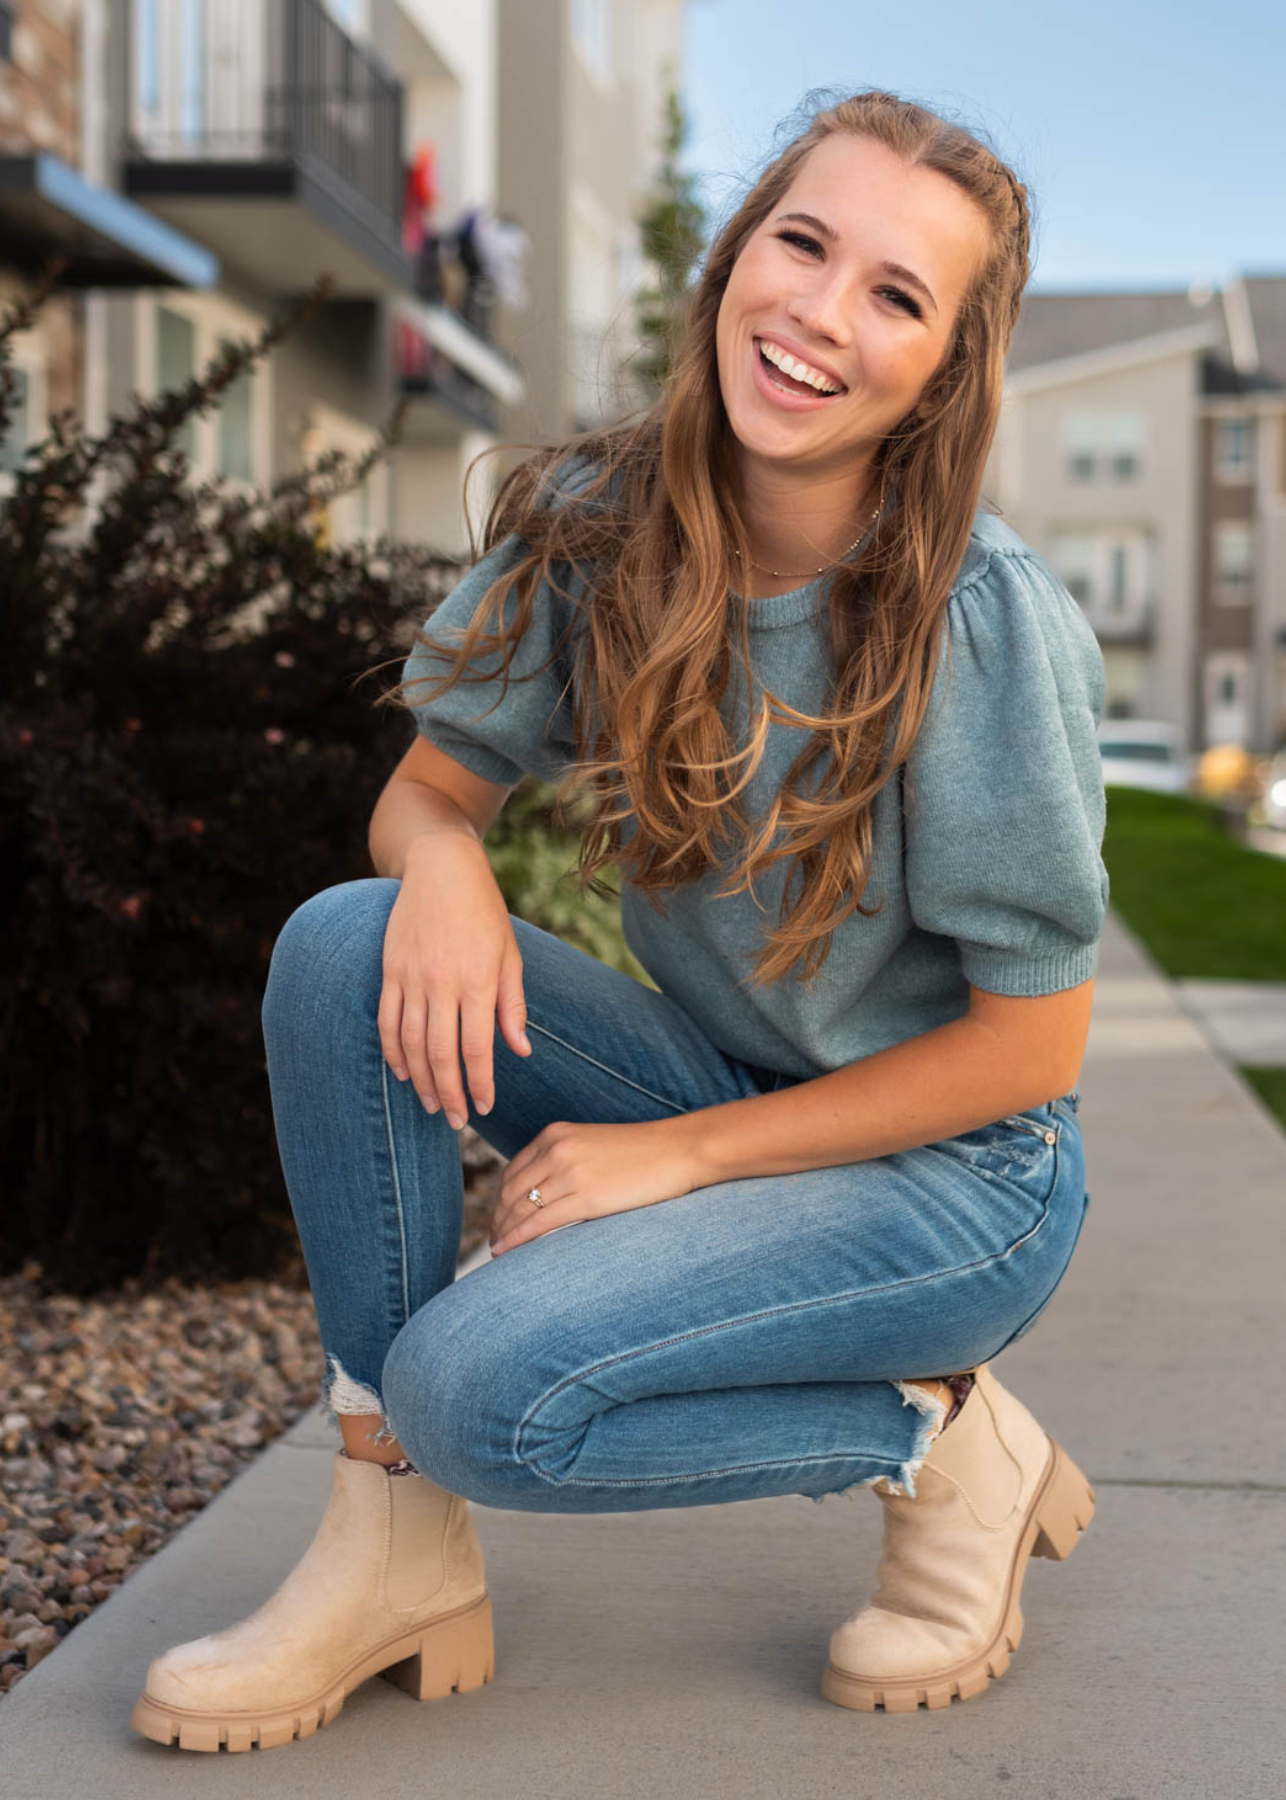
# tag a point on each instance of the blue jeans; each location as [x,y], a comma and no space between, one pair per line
[755,1337]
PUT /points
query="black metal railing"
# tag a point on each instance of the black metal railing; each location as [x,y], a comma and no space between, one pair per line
[308,92]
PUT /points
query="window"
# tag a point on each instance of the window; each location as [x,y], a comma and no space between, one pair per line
[1116,577]
[1103,446]
[1233,561]
[192,71]
[1108,572]
[179,339]
[17,432]
[176,365]
[1073,558]
[1234,449]
[1079,445]
[236,457]
[591,35]
[1124,439]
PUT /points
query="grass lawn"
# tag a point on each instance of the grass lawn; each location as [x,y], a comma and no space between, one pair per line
[1203,904]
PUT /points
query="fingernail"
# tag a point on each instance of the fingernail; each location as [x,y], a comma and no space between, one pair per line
[400,1074]
[483,1106]
[526,1041]
[429,1105]
[454,1121]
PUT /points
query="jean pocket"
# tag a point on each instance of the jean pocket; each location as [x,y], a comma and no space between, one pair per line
[1020,1150]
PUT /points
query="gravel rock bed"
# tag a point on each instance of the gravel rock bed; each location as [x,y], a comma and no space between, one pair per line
[123,1415]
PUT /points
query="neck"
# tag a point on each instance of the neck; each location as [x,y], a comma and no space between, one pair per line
[797,528]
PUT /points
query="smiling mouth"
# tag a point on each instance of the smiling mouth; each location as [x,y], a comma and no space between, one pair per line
[787,383]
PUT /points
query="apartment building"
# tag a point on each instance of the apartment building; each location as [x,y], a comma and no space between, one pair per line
[200,165]
[1142,451]
[581,111]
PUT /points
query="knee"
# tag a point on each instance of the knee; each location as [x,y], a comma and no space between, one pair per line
[327,952]
[451,1406]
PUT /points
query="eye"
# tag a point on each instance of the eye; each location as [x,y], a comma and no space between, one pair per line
[912,306]
[809,244]
[798,237]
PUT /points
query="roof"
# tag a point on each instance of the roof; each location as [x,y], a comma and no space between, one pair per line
[1249,315]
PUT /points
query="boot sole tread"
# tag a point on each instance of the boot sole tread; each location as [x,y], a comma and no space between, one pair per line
[451,1654]
[1060,1510]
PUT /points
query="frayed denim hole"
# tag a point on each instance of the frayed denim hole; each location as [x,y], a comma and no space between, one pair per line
[933,1412]
[341,1394]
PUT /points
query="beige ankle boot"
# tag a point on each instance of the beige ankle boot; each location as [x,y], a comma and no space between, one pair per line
[391,1584]
[993,1490]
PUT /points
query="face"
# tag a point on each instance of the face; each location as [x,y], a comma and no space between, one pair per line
[822,291]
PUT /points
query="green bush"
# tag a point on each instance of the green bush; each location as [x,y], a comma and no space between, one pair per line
[189,749]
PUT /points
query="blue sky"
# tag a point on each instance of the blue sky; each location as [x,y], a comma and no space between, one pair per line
[1153,136]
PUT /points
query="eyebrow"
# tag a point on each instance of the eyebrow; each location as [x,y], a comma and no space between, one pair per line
[890,268]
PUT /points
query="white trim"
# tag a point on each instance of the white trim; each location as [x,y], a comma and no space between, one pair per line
[453,337]
[1112,361]
[1261,404]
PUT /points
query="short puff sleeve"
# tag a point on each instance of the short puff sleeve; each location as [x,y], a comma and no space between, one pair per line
[530,730]
[1005,806]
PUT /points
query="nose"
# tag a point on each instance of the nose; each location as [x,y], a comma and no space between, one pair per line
[822,314]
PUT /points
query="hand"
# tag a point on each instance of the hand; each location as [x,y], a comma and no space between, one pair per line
[587,1171]
[452,974]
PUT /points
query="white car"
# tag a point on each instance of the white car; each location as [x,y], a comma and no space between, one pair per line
[1274,801]
[1144,753]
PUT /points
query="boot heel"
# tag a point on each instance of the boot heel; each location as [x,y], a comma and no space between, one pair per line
[456,1655]
[1066,1509]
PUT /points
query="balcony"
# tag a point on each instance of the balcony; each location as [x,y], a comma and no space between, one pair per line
[1131,627]
[279,147]
[443,350]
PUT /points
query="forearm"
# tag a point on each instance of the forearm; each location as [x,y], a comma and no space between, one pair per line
[944,1082]
[410,813]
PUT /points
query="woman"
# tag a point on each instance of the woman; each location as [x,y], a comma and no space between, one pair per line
[829,1167]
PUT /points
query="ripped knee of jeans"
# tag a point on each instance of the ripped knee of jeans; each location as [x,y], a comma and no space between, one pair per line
[933,1413]
[341,1394]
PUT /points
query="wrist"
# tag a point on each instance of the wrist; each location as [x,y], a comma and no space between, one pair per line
[428,843]
[688,1138]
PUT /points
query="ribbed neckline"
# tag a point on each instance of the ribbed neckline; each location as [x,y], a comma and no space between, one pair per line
[793,608]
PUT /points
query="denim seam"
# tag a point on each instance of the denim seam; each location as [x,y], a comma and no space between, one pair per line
[751,1318]
[397,1187]
[614,1073]
[776,1462]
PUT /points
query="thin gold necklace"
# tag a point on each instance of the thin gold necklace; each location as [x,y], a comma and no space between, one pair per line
[798,575]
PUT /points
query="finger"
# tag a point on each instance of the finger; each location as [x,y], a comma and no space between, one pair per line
[477,1034]
[511,1003]
[518,1167]
[444,1055]
[414,1052]
[389,1019]
[556,1212]
[515,1206]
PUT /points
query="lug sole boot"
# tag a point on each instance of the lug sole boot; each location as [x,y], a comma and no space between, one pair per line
[392,1584]
[993,1490]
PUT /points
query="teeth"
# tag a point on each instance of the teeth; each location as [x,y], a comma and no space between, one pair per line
[799,370]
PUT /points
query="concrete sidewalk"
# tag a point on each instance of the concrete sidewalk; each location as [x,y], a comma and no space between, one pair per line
[679,1652]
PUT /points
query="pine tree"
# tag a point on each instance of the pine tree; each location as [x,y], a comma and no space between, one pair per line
[672,237]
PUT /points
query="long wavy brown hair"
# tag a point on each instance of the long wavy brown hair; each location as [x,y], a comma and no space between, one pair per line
[657,526]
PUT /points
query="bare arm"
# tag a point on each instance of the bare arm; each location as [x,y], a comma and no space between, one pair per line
[1003,1056]
[428,793]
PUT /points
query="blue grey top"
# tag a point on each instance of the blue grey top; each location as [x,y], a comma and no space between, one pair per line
[989,865]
